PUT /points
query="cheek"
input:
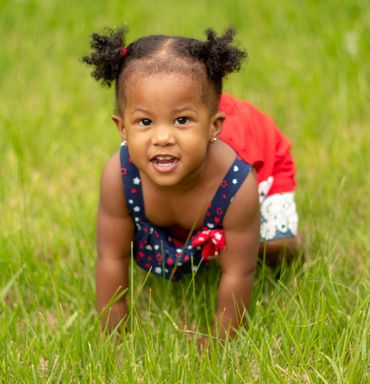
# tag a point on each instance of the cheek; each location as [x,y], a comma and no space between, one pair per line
[196,146]
[200,139]
[134,136]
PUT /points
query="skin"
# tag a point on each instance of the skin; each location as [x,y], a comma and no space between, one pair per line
[273,252]
[165,114]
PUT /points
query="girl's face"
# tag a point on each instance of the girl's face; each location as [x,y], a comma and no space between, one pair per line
[168,126]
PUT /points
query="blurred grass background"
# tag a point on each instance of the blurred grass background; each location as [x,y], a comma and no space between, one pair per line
[308,68]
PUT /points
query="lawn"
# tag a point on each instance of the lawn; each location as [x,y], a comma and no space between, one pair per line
[309,69]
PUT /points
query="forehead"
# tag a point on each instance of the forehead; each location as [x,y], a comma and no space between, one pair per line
[163,89]
[163,64]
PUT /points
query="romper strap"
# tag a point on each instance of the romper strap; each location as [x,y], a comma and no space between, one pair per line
[228,188]
[132,185]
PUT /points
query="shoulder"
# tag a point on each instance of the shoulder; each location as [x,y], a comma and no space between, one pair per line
[110,177]
[115,227]
[241,228]
[244,207]
[112,198]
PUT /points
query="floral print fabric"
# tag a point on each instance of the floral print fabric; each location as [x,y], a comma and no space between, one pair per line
[279,218]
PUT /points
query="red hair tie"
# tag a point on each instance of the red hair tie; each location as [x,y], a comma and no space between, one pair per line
[124,51]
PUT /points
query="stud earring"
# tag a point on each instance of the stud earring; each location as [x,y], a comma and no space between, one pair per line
[213,140]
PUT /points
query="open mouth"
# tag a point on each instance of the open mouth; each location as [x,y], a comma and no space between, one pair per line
[164,163]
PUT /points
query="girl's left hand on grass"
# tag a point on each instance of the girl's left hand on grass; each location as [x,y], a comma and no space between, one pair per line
[204,343]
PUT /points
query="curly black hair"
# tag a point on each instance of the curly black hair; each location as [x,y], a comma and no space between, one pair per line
[111,58]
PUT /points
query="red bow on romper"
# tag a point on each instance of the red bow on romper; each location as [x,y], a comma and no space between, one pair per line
[213,242]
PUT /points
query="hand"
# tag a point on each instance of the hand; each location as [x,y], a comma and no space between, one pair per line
[204,343]
[191,331]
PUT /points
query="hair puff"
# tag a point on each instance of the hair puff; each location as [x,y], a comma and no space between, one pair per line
[107,55]
[221,57]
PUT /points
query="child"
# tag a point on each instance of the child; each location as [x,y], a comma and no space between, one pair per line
[184,185]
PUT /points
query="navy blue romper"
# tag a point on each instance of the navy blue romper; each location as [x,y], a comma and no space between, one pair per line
[154,250]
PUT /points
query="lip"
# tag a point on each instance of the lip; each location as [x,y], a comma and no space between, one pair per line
[164,163]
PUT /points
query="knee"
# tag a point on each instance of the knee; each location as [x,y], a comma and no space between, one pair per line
[275,251]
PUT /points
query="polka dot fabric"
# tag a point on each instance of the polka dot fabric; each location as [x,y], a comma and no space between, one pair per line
[154,249]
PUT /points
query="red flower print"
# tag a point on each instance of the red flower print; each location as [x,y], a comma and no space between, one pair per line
[123,171]
[219,211]
[224,184]
[217,220]
[169,261]
[133,190]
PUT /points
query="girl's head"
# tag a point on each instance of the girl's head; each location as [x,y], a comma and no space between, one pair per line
[167,92]
[207,61]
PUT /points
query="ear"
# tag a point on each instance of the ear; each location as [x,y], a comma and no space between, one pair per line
[120,126]
[217,121]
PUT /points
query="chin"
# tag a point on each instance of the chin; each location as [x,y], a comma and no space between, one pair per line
[165,182]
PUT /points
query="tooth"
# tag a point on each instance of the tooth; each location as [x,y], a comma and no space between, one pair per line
[164,157]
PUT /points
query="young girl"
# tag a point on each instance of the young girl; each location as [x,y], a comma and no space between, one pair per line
[199,173]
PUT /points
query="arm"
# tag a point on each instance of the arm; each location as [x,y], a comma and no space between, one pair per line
[114,235]
[238,261]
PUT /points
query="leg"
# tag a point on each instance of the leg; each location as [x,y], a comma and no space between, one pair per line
[288,249]
[279,222]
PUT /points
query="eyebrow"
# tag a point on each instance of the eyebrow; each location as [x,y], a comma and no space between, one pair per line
[176,110]
[142,110]
[185,108]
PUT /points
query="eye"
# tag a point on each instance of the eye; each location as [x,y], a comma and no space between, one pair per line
[181,120]
[145,122]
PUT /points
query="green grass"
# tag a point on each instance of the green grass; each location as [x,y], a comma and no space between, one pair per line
[309,69]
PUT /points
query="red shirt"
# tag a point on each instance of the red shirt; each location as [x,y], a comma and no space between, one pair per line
[255,137]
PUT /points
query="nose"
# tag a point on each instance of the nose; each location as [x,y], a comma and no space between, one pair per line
[163,135]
